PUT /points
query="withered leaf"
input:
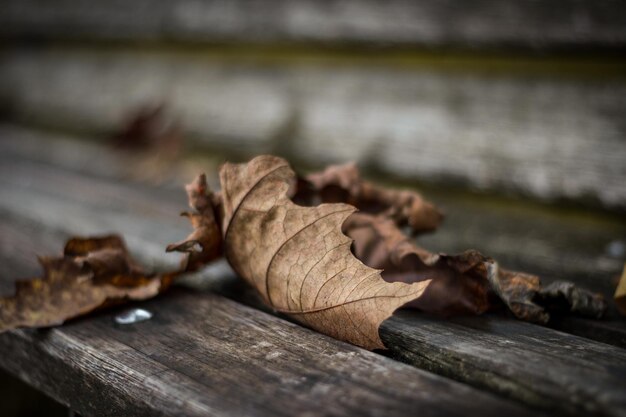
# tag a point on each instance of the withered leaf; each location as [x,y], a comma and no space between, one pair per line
[469,283]
[343,184]
[204,244]
[620,293]
[458,283]
[156,136]
[150,127]
[565,297]
[93,273]
[298,258]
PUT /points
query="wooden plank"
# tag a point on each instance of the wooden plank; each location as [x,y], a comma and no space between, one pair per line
[607,331]
[204,355]
[553,134]
[474,24]
[536,365]
[530,363]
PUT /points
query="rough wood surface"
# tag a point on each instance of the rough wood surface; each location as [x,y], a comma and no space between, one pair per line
[533,364]
[534,25]
[204,355]
[40,204]
[550,136]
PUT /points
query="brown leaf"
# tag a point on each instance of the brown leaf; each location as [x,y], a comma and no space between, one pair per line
[469,283]
[563,296]
[343,184]
[204,244]
[620,293]
[458,284]
[519,293]
[298,258]
[155,135]
[150,127]
[93,273]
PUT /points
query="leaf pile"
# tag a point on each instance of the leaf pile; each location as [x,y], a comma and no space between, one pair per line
[342,272]
[300,242]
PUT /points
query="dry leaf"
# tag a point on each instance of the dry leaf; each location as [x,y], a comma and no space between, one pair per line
[343,184]
[93,273]
[563,296]
[469,283]
[458,283]
[204,244]
[150,127]
[620,293]
[298,258]
[156,136]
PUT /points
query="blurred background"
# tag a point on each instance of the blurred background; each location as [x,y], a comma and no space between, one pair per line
[510,114]
[526,97]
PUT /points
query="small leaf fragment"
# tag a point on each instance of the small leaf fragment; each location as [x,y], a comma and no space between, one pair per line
[93,273]
[620,293]
[204,244]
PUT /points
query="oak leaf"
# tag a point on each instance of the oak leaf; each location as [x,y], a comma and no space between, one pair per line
[298,258]
[93,273]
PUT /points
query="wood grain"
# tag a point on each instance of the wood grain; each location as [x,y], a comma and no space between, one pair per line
[204,355]
[534,364]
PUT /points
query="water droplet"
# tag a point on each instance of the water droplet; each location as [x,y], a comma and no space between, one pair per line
[134,315]
[616,249]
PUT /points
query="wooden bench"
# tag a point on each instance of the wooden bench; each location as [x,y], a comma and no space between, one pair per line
[211,348]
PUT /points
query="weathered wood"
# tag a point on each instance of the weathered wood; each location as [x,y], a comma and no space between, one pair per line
[530,363]
[204,355]
[531,25]
[536,365]
[555,243]
[20,399]
[608,331]
[550,135]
